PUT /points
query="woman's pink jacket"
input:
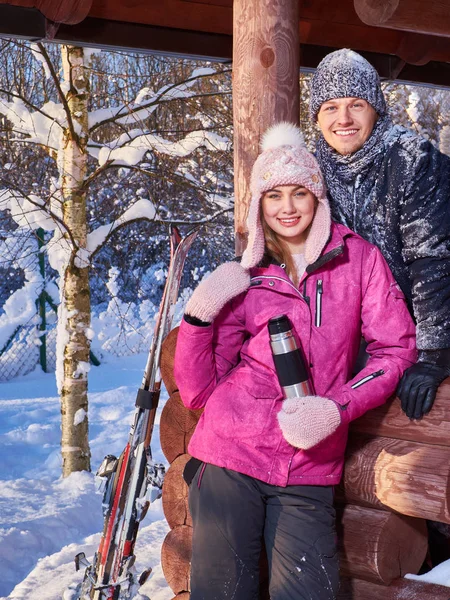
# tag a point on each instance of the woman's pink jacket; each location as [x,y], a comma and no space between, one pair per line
[228,369]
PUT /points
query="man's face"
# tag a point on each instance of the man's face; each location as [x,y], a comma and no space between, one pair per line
[346,123]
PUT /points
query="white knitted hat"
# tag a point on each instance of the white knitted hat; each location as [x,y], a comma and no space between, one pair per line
[285,160]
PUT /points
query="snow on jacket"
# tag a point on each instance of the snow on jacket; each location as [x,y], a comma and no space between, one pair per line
[228,368]
[397,196]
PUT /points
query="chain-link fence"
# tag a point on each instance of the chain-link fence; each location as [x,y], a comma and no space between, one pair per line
[120,329]
[21,354]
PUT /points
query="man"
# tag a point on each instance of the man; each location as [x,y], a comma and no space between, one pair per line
[393,188]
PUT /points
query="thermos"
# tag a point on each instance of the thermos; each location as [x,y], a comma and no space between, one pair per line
[289,364]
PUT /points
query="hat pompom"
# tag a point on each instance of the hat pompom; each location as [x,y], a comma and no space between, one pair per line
[282,134]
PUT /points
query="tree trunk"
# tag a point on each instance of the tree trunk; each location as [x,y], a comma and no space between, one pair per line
[74,317]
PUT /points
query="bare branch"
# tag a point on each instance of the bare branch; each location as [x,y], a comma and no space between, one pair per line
[199,223]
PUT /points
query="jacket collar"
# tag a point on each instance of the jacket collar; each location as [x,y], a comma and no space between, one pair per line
[334,247]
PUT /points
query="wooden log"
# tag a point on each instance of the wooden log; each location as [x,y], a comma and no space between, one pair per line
[410,478]
[390,421]
[176,552]
[167,361]
[406,15]
[379,546]
[266,63]
[69,12]
[176,427]
[400,589]
[175,494]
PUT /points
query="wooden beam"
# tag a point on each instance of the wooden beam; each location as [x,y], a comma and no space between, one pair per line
[410,478]
[58,11]
[390,421]
[432,17]
[379,546]
[137,37]
[266,67]
[321,22]
[175,494]
[23,23]
[176,552]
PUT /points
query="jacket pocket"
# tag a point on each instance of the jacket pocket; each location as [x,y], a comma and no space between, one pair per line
[243,405]
[366,379]
[319,292]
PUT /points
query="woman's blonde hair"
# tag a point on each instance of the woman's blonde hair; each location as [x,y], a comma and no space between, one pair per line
[279,250]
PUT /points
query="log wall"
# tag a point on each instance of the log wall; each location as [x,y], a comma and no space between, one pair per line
[177,425]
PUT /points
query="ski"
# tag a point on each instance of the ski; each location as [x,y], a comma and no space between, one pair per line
[133,481]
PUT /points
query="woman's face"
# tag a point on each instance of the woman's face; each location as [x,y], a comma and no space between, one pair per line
[289,210]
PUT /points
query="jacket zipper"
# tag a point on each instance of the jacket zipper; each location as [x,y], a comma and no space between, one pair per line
[364,380]
[319,292]
[304,292]
[254,279]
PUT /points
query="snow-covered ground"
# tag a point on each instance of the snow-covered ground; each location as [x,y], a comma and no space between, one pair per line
[46,520]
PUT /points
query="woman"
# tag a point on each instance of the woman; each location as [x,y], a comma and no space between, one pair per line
[268,465]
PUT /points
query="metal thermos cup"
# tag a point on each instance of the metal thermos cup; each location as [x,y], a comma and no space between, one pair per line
[289,364]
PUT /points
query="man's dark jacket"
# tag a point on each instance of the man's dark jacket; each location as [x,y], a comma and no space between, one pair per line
[401,203]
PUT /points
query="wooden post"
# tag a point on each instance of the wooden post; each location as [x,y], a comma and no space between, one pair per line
[266,89]
[406,15]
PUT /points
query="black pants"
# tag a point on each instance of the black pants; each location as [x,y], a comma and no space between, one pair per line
[233,513]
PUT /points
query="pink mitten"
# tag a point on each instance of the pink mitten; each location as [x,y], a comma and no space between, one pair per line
[307,421]
[226,282]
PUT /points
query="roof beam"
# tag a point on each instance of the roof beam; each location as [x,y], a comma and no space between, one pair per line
[431,17]
[58,11]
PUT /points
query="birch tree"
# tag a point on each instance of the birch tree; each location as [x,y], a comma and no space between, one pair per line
[85,143]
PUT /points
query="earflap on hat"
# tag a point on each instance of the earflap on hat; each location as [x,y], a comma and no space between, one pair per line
[255,243]
[319,233]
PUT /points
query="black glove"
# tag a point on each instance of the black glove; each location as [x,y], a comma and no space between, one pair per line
[419,384]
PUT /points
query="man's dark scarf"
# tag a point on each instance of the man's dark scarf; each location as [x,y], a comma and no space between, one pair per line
[344,173]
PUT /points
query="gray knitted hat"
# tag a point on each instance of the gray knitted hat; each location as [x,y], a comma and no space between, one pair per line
[345,74]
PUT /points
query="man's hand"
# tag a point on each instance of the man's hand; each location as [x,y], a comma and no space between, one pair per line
[418,387]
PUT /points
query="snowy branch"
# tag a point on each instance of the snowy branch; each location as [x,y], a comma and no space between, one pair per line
[127,113]
[61,94]
[98,238]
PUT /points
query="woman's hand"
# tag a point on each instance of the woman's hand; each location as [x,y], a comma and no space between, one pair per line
[307,421]
[226,282]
